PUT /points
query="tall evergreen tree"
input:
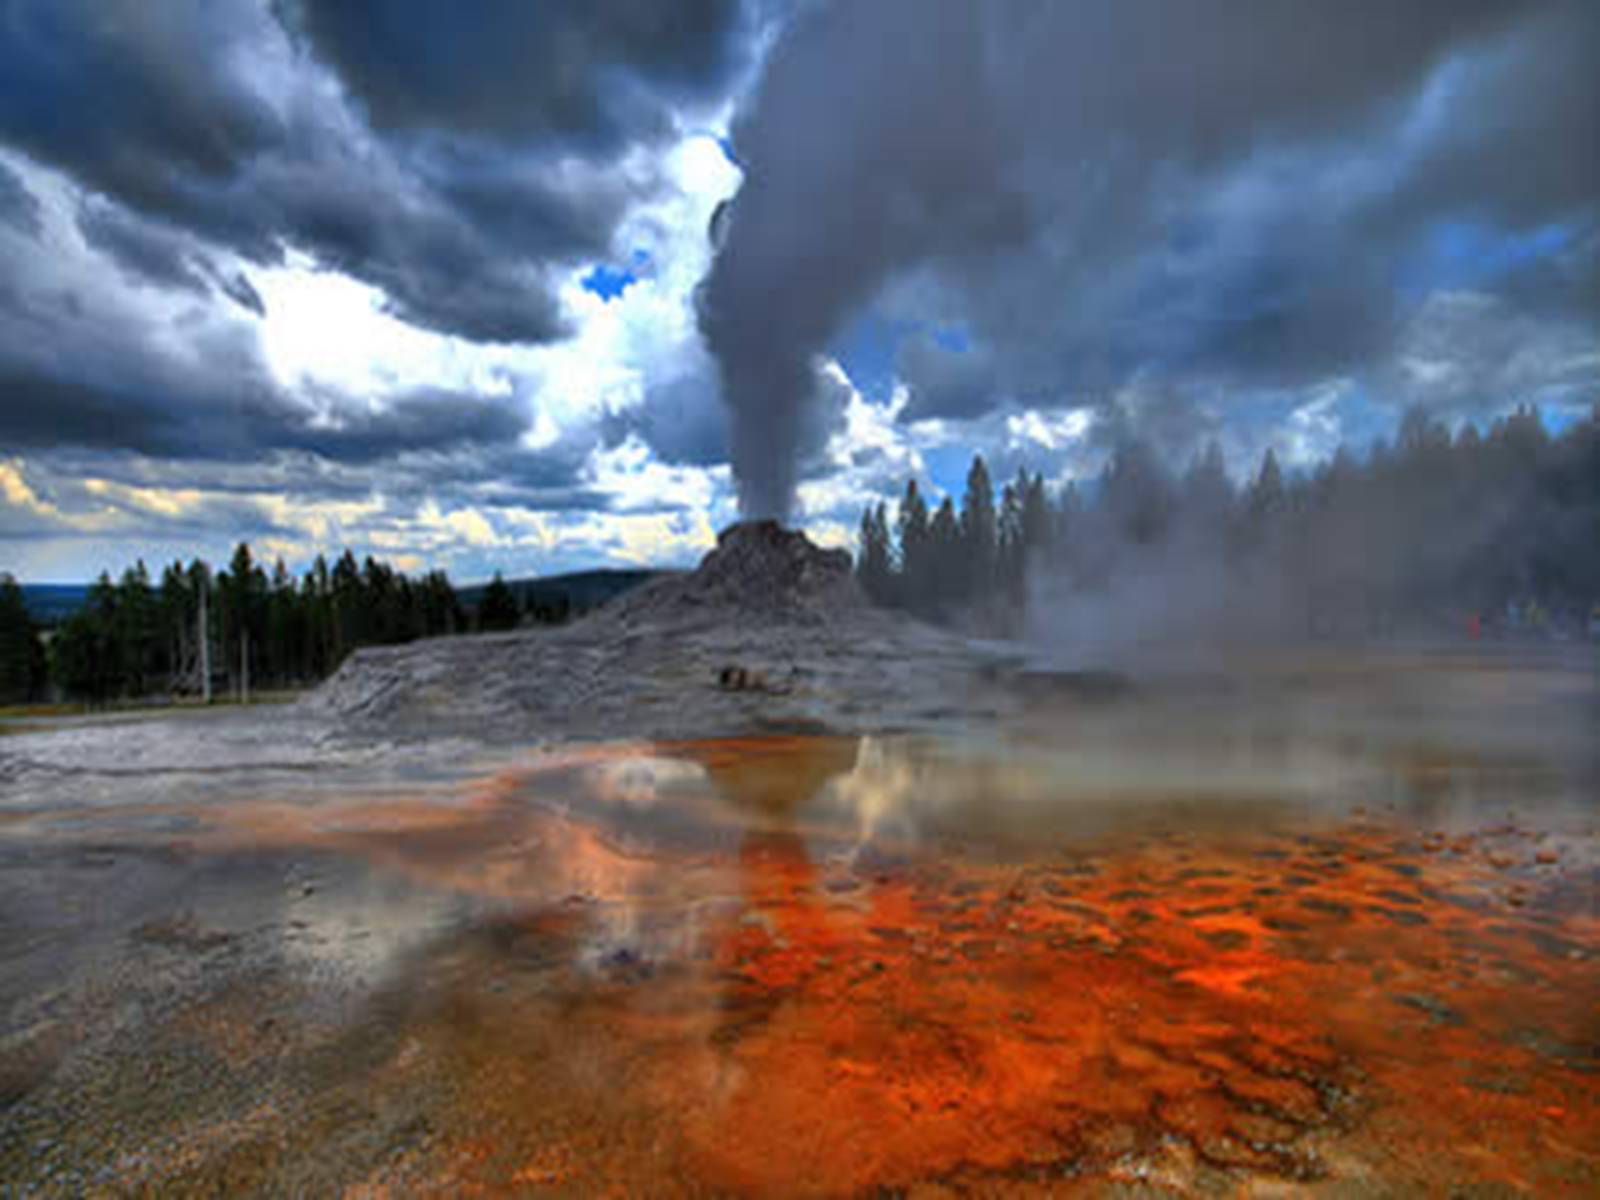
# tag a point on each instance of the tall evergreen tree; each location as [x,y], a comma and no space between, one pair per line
[1036,517]
[137,634]
[285,627]
[498,609]
[947,570]
[978,531]
[21,656]
[1207,492]
[874,567]
[915,576]
[349,617]
[1267,498]
[175,606]
[242,596]
[1012,554]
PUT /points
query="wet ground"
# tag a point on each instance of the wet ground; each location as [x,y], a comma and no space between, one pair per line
[1240,951]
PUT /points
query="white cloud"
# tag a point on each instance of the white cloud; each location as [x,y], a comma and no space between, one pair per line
[1469,353]
[871,455]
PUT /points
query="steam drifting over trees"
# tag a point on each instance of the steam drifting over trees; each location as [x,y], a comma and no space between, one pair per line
[1437,532]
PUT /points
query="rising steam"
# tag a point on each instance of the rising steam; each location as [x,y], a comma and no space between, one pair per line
[1012,160]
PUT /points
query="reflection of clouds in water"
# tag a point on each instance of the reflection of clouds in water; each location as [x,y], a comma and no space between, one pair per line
[639,838]
[640,782]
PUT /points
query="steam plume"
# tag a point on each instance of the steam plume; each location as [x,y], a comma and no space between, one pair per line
[1020,154]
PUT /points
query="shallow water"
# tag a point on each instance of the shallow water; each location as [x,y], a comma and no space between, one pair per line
[1208,954]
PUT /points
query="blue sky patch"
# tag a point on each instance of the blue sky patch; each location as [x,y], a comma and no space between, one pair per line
[1465,254]
[866,349]
[608,282]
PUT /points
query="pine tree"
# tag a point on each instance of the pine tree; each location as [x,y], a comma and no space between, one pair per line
[347,605]
[242,596]
[21,656]
[978,532]
[498,610]
[1207,491]
[1266,493]
[137,633]
[285,624]
[946,554]
[320,650]
[1012,562]
[915,576]
[1036,517]
[75,662]
[873,566]
[175,617]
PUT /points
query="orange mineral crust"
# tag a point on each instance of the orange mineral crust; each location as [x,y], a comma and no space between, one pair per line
[1344,1007]
[1359,1001]
[735,968]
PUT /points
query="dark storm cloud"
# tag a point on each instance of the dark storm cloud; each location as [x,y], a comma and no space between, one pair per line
[589,76]
[136,100]
[177,417]
[238,288]
[945,382]
[143,250]
[1517,127]
[207,118]
[431,421]
[1047,161]
[681,420]
[546,499]
[19,208]
[295,474]
[73,377]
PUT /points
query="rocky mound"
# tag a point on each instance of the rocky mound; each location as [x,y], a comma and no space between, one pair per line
[759,570]
[770,631]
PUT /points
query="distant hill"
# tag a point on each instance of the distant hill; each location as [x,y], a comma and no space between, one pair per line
[53,603]
[560,596]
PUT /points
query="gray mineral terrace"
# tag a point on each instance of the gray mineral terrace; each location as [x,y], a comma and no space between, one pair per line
[769,633]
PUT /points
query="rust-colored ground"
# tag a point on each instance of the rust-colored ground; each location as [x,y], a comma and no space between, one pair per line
[740,995]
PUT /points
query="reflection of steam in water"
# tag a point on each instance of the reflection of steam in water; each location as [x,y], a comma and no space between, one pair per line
[878,790]
[653,844]
[1111,777]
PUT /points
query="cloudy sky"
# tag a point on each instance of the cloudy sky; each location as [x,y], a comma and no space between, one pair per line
[457,285]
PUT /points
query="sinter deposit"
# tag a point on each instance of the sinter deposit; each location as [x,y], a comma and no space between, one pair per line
[770,631]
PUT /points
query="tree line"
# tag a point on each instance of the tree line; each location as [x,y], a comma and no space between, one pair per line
[199,631]
[940,563]
[1470,528]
